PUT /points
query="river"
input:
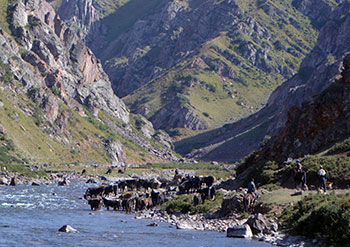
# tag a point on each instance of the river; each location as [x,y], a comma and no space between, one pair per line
[32,215]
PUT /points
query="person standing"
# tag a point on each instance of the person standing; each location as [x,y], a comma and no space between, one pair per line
[299,166]
[322,175]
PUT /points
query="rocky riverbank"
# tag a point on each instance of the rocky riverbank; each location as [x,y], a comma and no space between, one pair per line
[262,229]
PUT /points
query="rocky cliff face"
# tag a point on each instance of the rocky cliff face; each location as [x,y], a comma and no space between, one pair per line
[223,49]
[316,124]
[52,78]
[318,70]
[58,59]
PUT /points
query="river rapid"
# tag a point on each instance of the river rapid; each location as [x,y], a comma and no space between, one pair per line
[32,215]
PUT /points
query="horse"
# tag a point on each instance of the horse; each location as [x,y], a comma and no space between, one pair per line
[300,179]
[248,202]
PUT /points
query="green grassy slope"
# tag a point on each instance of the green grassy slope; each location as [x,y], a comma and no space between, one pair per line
[219,98]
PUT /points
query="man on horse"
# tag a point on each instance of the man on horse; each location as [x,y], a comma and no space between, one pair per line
[300,176]
[250,197]
[252,189]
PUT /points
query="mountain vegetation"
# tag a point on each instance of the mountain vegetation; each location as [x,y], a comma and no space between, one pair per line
[196,65]
[56,103]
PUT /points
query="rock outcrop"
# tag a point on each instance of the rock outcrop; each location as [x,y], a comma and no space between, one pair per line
[316,124]
[56,60]
[174,49]
[317,71]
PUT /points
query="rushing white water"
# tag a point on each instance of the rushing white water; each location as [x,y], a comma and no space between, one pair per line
[32,215]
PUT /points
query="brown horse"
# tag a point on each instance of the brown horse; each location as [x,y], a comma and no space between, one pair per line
[248,202]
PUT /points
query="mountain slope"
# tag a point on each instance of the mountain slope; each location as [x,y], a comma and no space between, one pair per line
[317,71]
[56,102]
[197,64]
[318,133]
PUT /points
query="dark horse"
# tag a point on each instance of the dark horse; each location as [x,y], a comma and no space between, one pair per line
[300,179]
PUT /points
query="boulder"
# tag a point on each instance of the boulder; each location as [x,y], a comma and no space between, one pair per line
[154,224]
[91,181]
[63,183]
[3,181]
[231,205]
[67,228]
[259,224]
[35,183]
[242,231]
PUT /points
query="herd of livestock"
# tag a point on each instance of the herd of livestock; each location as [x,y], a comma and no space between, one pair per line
[133,194]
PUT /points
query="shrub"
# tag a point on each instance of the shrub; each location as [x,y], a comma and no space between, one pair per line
[319,216]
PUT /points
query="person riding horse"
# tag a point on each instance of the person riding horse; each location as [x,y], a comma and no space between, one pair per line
[251,196]
[300,176]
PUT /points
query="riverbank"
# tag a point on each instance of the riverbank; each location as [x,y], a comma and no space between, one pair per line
[200,222]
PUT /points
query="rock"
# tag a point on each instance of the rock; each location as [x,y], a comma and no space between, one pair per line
[154,224]
[163,137]
[67,228]
[260,225]
[242,231]
[297,193]
[64,182]
[115,150]
[3,181]
[146,127]
[35,184]
[185,225]
[231,205]
[91,181]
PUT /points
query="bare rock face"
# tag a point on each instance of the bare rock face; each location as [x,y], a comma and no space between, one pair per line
[317,71]
[58,61]
[163,137]
[116,151]
[147,128]
[181,117]
[317,123]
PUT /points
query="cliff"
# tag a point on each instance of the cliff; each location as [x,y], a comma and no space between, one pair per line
[57,103]
[195,64]
[317,71]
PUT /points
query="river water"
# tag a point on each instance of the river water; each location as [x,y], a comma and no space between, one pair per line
[32,215]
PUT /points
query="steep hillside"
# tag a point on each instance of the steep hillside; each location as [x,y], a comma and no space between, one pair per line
[317,71]
[318,133]
[56,102]
[196,64]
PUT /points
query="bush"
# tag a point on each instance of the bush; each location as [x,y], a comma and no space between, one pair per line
[184,204]
[319,216]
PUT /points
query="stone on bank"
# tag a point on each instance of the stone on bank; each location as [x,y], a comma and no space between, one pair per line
[67,228]
[242,231]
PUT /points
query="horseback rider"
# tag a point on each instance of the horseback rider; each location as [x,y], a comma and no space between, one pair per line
[252,189]
[300,176]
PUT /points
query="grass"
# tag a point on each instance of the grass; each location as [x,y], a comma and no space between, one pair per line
[184,204]
[223,171]
[214,96]
[320,216]
[3,16]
